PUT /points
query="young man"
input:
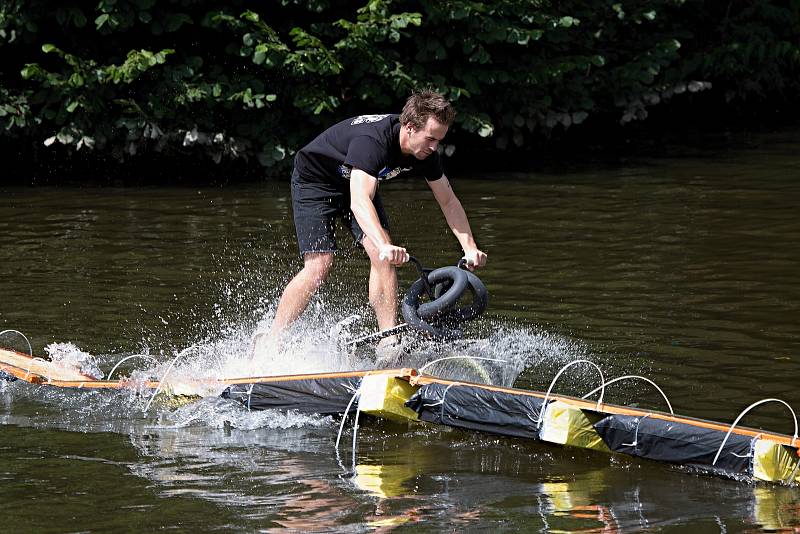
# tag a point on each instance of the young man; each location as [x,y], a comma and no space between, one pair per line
[337,175]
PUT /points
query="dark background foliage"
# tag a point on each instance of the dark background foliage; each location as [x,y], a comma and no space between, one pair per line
[192,88]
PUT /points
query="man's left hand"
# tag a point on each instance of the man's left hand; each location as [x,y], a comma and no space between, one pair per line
[475,258]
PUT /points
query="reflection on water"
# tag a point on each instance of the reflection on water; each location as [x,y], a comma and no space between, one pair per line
[475,481]
[263,480]
[684,271]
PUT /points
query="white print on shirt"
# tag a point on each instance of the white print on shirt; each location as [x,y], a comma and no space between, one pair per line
[363,119]
[385,174]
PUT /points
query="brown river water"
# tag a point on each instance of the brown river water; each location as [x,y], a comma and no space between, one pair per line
[684,270]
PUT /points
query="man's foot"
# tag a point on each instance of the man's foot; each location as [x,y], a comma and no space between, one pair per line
[388,352]
[259,341]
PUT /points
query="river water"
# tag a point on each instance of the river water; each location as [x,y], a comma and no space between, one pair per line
[683,270]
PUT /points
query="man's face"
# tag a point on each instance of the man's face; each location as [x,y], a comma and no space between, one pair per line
[424,142]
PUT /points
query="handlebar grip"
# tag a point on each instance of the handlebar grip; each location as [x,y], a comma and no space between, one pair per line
[384,257]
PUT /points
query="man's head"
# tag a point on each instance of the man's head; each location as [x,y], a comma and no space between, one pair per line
[424,121]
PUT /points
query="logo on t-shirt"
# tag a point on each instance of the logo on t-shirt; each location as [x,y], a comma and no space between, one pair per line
[387,173]
[365,119]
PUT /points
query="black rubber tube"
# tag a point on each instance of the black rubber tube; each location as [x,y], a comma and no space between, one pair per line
[458,282]
[480,299]
[412,318]
[413,311]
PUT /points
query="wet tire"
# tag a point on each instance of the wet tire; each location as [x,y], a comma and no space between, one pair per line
[419,316]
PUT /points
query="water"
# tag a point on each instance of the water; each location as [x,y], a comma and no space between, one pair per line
[683,270]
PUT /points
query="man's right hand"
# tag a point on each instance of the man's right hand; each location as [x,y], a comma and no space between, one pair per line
[392,254]
[475,258]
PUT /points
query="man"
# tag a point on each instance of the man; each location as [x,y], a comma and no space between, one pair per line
[337,175]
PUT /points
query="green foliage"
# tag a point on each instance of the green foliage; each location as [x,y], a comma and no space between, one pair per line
[753,52]
[241,80]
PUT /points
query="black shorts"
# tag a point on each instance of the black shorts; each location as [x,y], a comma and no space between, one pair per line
[316,207]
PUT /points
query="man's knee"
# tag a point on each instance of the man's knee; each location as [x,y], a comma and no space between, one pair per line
[384,273]
[318,264]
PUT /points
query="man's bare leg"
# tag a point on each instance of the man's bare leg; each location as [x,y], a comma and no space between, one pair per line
[382,287]
[299,291]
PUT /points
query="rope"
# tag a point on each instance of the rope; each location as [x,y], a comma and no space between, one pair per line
[479,369]
[128,358]
[356,394]
[164,376]
[736,422]
[441,402]
[355,433]
[560,372]
[669,405]
[635,432]
[250,395]
[30,349]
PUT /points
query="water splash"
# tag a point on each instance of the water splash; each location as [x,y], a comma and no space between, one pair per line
[220,413]
[69,355]
[499,357]
[311,345]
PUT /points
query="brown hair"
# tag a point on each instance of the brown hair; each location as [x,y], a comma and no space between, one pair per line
[427,103]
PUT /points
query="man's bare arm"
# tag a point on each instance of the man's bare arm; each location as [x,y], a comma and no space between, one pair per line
[363,187]
[457,219]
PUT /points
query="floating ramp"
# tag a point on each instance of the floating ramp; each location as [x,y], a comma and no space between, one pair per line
[406,395]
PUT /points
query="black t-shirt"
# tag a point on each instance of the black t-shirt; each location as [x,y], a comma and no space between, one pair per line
[367,142]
